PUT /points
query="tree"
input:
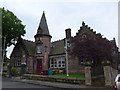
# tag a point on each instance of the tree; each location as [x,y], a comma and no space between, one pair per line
[12,27]
[90,48]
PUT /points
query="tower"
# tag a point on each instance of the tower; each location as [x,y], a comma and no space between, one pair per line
[43,42]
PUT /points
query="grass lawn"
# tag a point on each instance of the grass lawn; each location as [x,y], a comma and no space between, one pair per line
[70,75]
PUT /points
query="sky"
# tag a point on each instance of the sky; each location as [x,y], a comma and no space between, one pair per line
[101,16]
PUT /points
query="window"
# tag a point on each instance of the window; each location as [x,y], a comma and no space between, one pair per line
[55,63]
[51,63]
[39,48]
[58,62]
[39,60]
[17,61]
[61,62]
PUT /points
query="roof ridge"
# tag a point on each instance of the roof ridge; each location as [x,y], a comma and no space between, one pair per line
[90,29]
[28,40]
[58,40]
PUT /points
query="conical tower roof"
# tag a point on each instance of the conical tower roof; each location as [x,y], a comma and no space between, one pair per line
[43,27]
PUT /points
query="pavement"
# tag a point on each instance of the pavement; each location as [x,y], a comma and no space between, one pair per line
[57,84]
[8,83]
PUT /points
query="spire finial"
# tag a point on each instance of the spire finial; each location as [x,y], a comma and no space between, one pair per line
[83,23]
[43,27]
[43,12]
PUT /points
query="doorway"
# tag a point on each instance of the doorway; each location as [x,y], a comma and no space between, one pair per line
[39,65]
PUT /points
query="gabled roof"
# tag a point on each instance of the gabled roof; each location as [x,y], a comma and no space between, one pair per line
[58,47]
[30,46]
[84,29]
[43,27]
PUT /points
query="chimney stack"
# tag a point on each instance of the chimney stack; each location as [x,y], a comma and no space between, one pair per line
[68,33]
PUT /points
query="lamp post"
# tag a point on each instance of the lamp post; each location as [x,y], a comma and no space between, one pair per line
[66,58]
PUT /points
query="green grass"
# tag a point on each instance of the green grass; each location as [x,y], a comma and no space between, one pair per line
[70,75]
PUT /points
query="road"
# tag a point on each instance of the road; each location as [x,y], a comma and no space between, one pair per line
[10,83]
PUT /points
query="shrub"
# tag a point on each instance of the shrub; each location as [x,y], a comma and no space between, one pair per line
[13,71]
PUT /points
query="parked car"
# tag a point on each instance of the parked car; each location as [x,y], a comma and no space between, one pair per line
[117,82]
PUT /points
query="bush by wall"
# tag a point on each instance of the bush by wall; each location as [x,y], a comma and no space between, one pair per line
[14,71]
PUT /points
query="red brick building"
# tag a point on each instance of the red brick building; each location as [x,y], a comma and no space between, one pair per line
[42,55]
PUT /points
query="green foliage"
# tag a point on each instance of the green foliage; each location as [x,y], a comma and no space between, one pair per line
[13,71]
[12,27]
[71,75]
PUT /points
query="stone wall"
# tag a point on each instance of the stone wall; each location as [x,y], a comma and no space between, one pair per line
[114,73]
[18,69]
[45,52]
[74,66]
[30,67]
[109,75]
[73,80]
[88,75]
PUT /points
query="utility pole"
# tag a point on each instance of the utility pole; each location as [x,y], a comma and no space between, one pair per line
[67,58]
[3,53]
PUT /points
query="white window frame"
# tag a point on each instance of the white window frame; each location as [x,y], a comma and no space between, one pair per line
[56,63]
[51,65]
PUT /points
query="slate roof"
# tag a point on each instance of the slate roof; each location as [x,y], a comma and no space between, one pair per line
[30,46]
[56,48]
[43,27]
